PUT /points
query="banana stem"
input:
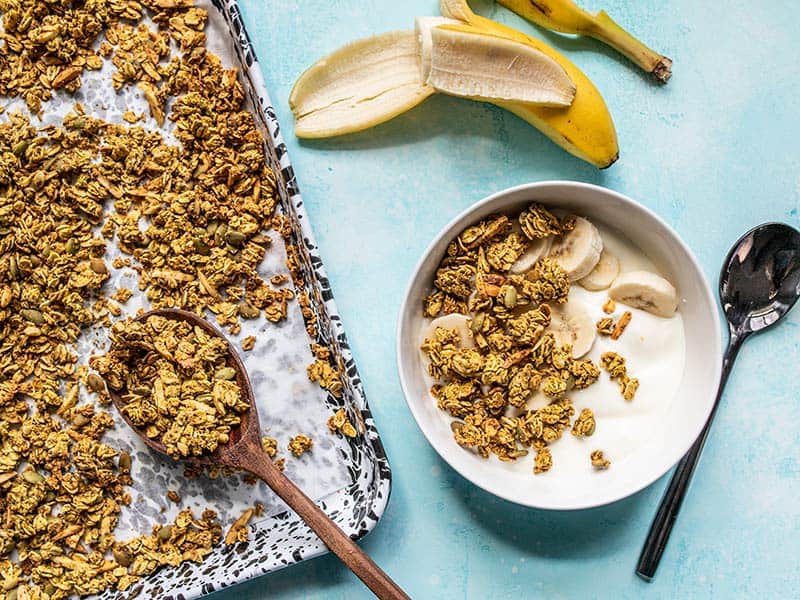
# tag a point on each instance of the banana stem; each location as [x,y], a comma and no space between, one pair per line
[606,30]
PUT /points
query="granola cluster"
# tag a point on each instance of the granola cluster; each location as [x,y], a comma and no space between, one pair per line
[614,364]
[175,382]
[486,386]
[300,444]
[339,422]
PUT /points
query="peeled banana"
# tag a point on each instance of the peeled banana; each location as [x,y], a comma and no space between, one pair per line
[361,85]
[567,17]
[371,81]
[486,67]
[584,129]
[422,27]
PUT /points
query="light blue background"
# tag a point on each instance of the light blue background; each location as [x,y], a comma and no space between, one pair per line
[714,153]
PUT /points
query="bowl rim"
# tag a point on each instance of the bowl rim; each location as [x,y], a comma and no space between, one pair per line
[533,187]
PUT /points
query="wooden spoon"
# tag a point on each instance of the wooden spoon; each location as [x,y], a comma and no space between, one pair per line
[244,451]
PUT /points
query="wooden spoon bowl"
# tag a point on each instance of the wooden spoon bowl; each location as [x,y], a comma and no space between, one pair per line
[244,451]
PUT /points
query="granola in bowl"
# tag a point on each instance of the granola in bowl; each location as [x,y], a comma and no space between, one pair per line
[536,333]
[506,282]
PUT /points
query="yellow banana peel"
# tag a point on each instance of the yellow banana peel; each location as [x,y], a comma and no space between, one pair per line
[585,128]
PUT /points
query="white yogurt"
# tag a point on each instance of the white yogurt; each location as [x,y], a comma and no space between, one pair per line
[654,351]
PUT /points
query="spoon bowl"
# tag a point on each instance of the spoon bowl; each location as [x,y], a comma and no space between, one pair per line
[243,450]
[248,427]
[760,280]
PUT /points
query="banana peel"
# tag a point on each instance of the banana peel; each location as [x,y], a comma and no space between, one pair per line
[363,84]
[485,67]
[373,80]
[585,128]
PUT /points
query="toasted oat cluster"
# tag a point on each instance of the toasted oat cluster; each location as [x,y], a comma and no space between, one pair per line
[614,364]
[599,461]
[175,382]
[300,444]
[340,422]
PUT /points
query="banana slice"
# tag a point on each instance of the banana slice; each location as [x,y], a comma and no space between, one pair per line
[647,291]
[536,249]
[455,321]
[361,85]
[483,66]
[578,251]
[571,323]
[603,274]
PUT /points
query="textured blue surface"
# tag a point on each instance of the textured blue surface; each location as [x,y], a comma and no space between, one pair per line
[714,153]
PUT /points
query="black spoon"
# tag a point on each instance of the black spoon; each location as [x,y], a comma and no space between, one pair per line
[758,284]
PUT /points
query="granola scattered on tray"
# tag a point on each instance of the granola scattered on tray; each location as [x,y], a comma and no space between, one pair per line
[300,444]
[238,530]
[340,422]
[249,343]
[328,378]
[191,220]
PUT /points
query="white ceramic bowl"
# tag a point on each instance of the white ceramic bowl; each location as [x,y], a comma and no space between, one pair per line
[689,409]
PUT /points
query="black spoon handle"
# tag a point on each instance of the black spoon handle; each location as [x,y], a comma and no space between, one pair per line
[662,524]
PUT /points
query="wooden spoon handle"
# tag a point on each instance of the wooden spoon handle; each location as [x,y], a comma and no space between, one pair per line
[337,540]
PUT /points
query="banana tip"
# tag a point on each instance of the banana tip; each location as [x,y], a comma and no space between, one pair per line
[611,162]
[663,70]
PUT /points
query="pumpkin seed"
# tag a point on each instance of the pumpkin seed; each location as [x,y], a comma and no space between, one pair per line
[32,476]
[235,238]
[510,297]
[124,461]
[477,322]
[226,373]
[201,247]
[80,420]
[248,311]
[32,315]
[165,533]
[98,265]
[95,383]
[122,556]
